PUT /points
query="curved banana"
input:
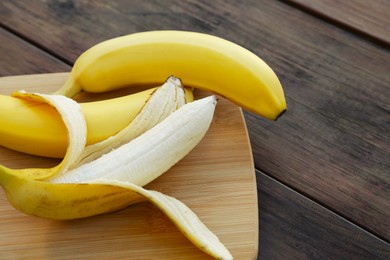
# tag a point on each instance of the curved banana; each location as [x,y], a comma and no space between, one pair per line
[202,61]
[114,180]
[36,128]
[179,132]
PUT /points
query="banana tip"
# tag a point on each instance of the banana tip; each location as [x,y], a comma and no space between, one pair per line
[280,114]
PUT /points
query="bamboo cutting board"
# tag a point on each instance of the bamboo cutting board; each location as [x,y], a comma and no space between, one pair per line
[216,180]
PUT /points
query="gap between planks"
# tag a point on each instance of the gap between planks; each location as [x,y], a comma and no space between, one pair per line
[338,23]
[322,205]
[35,44]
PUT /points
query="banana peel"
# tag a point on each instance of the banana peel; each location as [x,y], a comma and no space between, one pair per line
[41,199]
[29,190]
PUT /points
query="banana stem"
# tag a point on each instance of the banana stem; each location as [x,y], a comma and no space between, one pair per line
[69,89]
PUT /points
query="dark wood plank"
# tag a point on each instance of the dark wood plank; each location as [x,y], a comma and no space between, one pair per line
[18,57]
[371,18]
[332,145]
[294,227]
[67,28]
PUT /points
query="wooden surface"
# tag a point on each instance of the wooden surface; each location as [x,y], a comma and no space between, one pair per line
[323,169]
[221,191]
[369,18]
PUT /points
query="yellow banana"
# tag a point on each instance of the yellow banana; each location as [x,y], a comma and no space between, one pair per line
[113,181]
[36,128]
[202,61]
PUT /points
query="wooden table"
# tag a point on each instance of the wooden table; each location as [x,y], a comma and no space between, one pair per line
[323,169]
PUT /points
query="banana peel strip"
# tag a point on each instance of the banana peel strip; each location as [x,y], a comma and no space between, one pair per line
[182,216]
[73,118]
[28,192]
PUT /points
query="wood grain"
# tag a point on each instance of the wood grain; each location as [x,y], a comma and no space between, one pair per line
[216,180]
[67,28]
[294,227]
[332,145]
[369,18]
[17,57]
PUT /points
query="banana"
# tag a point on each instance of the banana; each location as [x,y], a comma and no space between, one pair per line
[165,143]
[37,128]
[113,181]
[204,61]
[162,102]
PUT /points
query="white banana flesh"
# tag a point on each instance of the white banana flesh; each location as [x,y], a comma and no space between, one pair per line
[145,158]
[142,159]
[165,100]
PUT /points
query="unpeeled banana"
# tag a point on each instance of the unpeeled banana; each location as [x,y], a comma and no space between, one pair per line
[202,61]
[113,180]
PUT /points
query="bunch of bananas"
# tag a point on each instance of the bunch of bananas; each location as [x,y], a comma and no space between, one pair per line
[106,158]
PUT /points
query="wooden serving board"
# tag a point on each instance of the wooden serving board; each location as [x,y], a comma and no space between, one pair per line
[216,180]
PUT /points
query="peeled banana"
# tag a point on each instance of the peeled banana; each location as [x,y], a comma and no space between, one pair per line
[203,61]
[162,102]
[37,128]
[122,165]
[113,180]
[107,159]
[145,158]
